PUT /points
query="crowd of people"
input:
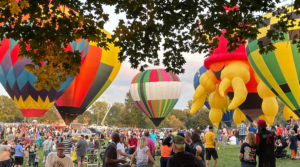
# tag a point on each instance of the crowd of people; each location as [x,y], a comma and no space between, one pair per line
[139,147]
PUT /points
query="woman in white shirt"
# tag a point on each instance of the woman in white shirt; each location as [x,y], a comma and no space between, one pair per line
[143,154]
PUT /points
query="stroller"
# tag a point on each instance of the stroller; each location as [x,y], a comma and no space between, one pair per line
[280,152]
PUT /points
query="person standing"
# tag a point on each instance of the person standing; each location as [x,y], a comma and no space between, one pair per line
[132,143]
[47,147]
[248,151]
[210,142]
[252,128]
[198,147]
[187,136]
[197,130]
[68,145]
[151,146]
[161,135]
[153,136]
[81,150]
[59,158]
[293,144]
[278,131]
[4,156]
[121,148]
[19,154]
[242,133]
[216,131]
[143,154]
[266,143]
[31,148]
[166,149]
[181,157]
[111,154]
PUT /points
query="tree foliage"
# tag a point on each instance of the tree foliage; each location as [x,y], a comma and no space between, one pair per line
[44,29]
[9,111]
[150,26]
[98,111]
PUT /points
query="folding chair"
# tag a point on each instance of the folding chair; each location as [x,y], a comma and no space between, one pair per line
[92,160]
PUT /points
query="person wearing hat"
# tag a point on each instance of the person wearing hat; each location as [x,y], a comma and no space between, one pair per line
[188,147]
[210,143]
[68,145]
[19,154]
[266,143]
[47,147]
[59,158]
[181,157]
[81,150]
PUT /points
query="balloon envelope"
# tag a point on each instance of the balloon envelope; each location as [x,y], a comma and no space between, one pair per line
[19,83]
[155,92]
[99,69]
[278,69]
[227,117]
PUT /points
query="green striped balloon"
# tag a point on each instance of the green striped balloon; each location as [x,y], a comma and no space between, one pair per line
[279,69]
[155,92]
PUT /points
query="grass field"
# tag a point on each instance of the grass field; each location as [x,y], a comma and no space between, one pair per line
[227,158]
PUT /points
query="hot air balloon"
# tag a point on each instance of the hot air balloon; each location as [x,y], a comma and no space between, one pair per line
[236,79]
[98,71]
[155,92]
[278,69]
[227,115]
[19,84]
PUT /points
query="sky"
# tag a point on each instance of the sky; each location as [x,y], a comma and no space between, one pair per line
[116,92]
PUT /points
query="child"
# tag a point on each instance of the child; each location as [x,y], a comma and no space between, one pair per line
[224,140]
[293,144]
[278,143]
[37,158]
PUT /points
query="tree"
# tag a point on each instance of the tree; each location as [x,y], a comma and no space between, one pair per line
[98,111]
[85,118]
[114,112]
[132,116]
[150,26]
[44,29]
[49,117]
[9,111]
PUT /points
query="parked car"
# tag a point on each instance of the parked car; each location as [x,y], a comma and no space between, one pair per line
[95,130]
[78,132]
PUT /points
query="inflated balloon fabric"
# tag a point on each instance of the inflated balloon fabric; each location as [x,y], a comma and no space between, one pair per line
[155,92]
[227,115]
[278,69]
[98,71]
[19,84]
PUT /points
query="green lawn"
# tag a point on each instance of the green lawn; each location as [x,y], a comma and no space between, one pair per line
[227,158]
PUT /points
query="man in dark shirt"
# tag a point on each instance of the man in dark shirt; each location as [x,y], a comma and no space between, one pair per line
[188,148]
[110,156]
[182,158]
[197,130]
[266,143]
